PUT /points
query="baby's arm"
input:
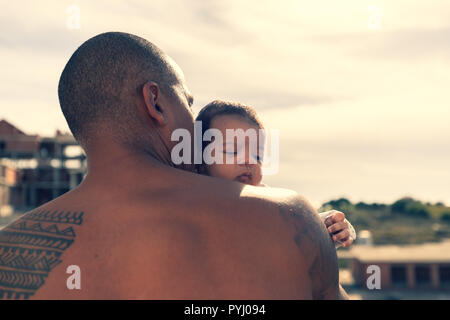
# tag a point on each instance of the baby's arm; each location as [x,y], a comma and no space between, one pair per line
[340,229]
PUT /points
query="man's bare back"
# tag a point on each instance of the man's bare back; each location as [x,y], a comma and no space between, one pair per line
[183,236]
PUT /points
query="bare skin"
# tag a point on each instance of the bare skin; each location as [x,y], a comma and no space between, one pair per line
[139,228]
[218,240]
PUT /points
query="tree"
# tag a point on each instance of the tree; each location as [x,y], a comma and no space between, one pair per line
[400,206]
[410,207]
[445,216]
[339,203]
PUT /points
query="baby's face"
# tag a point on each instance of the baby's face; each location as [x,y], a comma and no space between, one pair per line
[246,171]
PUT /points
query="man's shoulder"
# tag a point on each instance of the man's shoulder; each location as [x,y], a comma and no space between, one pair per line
[282,202]
[251,206]
[265,195]
[270,193]
[313,244]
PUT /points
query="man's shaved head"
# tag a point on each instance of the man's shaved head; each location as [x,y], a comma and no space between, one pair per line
[100,83]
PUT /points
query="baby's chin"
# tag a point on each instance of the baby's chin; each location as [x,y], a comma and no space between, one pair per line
[248,179]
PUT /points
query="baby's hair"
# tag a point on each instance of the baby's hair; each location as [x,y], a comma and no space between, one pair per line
[220,108]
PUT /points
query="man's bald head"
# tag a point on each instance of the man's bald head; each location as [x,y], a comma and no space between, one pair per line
[99,84]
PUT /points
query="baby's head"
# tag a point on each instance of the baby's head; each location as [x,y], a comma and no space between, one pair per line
[223,115]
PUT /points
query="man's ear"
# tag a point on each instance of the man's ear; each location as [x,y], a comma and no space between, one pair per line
[152,101]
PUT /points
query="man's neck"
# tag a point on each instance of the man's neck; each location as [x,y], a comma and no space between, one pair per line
[111,162]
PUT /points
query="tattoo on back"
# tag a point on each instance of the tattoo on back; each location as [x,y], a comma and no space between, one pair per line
[311,238]
[31,247]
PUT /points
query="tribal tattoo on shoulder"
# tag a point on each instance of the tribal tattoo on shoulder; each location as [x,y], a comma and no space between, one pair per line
[31,247]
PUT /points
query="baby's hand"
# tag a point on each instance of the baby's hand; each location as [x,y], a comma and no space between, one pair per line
[340,229]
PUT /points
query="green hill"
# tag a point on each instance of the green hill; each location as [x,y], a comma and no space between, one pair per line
[406,221]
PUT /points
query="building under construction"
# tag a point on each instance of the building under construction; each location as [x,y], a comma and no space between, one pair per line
[34,169]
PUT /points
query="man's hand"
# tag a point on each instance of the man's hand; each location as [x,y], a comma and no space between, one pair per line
[338,227]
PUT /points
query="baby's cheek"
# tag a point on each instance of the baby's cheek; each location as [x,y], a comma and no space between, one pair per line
[257,176]
[219,171]
[212,171]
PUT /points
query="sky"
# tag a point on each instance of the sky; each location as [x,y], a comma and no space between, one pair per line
[358,89]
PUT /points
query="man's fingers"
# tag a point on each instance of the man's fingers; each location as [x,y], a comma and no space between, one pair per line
[341,235]
[337,227]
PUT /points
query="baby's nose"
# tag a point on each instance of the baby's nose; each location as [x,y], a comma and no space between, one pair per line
[247,160]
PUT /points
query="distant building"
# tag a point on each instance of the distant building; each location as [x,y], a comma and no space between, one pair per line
[365,238]
[34,169]
[413,267]
[8,183]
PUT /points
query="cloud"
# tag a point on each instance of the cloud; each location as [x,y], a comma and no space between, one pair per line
[400,45]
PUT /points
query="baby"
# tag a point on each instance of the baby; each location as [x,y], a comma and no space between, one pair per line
[222,115]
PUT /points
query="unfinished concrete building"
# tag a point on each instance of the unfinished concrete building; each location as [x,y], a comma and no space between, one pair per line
[34,169]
